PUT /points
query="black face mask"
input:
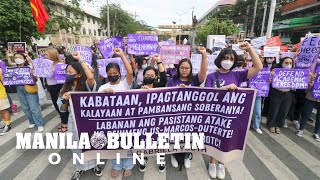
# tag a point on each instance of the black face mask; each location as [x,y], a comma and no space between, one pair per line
[113,78]
[148,80]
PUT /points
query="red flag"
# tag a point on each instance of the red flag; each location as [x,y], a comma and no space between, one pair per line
[40,15]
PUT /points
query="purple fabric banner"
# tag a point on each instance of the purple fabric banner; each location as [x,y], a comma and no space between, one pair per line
[60,73]
[86,52]
[142,44]
[102,64]
[309,52]
[106,46]
[261,82]
[316,85]
[17,76]
[223,116]
[3,66]
[174,53]
[290,78]
[42,67]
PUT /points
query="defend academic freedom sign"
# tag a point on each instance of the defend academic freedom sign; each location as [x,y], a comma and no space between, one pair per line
[223,116]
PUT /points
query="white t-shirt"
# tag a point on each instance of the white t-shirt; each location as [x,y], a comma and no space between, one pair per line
[122,86]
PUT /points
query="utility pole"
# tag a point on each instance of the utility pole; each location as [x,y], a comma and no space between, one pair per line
[271,16]
[254,17]
[247,18]
[108,18]
[265,5]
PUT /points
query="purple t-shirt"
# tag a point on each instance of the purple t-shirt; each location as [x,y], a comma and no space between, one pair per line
[195,82]
[232,77]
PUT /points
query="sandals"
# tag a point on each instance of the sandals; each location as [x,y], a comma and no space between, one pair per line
[278,131]
[272,130]
[115,173]
[63,128]
[127,173]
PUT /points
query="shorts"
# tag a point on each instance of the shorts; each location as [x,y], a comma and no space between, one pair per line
[4,104]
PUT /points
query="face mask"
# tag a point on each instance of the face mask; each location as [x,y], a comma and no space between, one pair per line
[70,77]
[227,64]
[148,80]
[269,60]
[113,79]
[287,66]
[144,66]
[19,61]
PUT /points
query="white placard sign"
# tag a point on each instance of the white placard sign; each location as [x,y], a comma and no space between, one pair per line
[196,63]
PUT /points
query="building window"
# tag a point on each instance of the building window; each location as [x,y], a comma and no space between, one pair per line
[95,33]
[88,18]
[89,31]
[94,21]
[84,31]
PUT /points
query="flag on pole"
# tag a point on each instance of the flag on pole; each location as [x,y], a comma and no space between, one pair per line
[40,15]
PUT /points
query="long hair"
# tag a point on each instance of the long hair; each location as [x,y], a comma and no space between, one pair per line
[190,76]
[282,60]
[156,73]
[26,63]
[54,55]
[81,85]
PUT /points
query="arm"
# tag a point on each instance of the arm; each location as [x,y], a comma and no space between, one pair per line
[204,64]
[87,71]
[256,62]
[156,58]
[133,62]
[9,55]
[127,65]
[153,62]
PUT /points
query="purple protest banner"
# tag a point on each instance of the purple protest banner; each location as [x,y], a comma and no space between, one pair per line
[17,76]
[166,43]
[309,52]
[42,67]
[172,54]
[86,52]
[102,64]
[290,78]
[3,66]
[288,54]
[316,85]
[223,116]
[106,46]
[19,47]
[60,73]
[142,44]
[261,82]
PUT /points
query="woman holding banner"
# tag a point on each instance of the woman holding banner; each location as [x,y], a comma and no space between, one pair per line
[280,102]
[78,78]
[183,78]
[29,98]
[116,84]
[54,88]
[227,79]
[4,106]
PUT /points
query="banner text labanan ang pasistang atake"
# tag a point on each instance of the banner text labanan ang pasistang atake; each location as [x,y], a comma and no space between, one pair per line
[223,116]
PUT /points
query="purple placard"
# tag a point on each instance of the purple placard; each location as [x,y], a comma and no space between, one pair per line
[3,66]
[42,67]
[288,54]
[172,54]
[290,78]
[86,52]
[316,85]
[60,73]
[166,43]
[102,64]
[17,76]
[223,116]
[261,82]
[309,52]
[142,44]
[106,46]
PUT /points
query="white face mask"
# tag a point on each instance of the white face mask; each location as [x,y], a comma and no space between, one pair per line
[19,61]
[269,60]
[144,66]
[227,64]
[287,66]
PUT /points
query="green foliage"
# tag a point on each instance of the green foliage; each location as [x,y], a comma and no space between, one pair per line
[215,27]
[121,22]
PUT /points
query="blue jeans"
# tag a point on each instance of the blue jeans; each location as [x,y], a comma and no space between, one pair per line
[256,115]
[125,163]
[30,106]
[306,113]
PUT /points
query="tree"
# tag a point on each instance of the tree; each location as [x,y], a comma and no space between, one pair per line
[121,22]
[215,27]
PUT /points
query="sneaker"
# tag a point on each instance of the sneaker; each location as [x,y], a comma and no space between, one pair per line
[174,161]
[76,175]
[310,120]
[162,168]
[2,126]
[40,129]
[221,171]
[296,124]
[258,131]
[142,167]
[31,126]
[5,130]
[97,171]
[285,124]
[212,170]
[187,163]
[316,137]
[299,133]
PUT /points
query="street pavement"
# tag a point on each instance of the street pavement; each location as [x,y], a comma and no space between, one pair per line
[267,156]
